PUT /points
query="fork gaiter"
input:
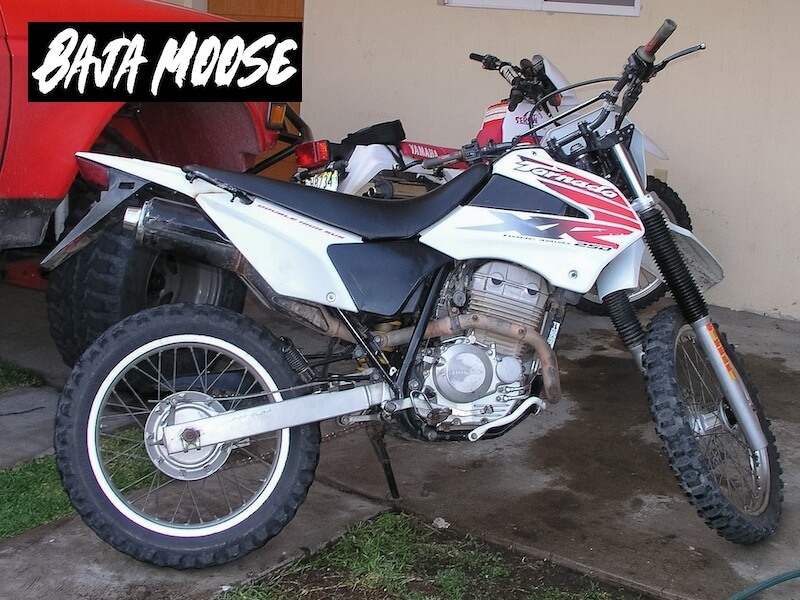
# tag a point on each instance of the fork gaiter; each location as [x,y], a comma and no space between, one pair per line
[672,265]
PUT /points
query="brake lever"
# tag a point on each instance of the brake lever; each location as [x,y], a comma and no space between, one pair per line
[660,66]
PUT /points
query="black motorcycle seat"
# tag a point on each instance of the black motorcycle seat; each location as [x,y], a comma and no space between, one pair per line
[369,218]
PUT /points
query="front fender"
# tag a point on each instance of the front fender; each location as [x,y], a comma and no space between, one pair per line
[622,273]
[705,269]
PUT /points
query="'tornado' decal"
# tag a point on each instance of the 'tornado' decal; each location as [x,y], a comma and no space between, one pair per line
[601,200]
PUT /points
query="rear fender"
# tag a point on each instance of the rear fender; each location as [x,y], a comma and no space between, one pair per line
[126,177]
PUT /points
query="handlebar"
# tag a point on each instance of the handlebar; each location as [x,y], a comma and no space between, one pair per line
[639,69]
[470,153]
[439,161]
[527,80]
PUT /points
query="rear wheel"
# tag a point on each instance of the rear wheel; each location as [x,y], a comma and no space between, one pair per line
[212,503]
[651,287]
[736,489]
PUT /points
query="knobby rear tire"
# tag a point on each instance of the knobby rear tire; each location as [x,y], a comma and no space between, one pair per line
[704,443]
[193,509]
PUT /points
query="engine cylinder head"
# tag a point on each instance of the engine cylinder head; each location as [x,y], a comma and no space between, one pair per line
[512,293]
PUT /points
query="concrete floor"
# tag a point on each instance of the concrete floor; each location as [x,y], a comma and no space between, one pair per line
[586,483]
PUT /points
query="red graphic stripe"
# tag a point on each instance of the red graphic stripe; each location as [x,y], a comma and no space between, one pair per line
[612,211]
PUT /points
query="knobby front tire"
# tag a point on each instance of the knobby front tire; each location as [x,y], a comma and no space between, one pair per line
[736,491]
[207,505]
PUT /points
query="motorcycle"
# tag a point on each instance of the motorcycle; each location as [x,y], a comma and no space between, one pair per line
[188,435]
[377,161]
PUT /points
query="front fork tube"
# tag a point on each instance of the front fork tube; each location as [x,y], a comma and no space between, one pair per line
[690,300]
[731,382]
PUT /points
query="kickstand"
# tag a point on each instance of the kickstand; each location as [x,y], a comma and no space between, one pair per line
[377,433]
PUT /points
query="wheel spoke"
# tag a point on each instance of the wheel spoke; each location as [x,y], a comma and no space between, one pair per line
[198,504]
[721,443]
[735,490]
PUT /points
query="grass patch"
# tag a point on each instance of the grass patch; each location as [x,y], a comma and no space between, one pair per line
[128,463]
[397,556]
[31,494]
[13,377]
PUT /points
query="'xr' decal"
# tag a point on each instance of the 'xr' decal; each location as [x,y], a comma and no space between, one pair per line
[554,229]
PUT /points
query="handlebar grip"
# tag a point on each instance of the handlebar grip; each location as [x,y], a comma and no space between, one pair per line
[476,56]
[666,30]
[438,161]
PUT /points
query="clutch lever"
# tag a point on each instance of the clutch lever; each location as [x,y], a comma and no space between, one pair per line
[679,54]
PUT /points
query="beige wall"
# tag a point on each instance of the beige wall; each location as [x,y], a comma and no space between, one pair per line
[725,116]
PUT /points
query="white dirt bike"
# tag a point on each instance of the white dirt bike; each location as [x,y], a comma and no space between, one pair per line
[377,161]
[188,435]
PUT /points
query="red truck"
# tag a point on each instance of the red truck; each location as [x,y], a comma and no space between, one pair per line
[42,195]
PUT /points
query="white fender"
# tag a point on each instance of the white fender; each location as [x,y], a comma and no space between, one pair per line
[652,148]
[167,175]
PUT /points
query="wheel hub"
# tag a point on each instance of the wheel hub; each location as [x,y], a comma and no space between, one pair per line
[196,461]
[711,423]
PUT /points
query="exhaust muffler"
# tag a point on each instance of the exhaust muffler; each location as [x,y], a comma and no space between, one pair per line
[170,226]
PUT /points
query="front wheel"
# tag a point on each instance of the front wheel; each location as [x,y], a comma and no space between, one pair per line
[735,489]
[212,503]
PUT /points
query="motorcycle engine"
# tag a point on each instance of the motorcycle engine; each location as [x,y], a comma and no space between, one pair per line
[474,379]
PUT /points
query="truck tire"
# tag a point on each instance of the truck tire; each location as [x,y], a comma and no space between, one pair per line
[115,277]
[65,301]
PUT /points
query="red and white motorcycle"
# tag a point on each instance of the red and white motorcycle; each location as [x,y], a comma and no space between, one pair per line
[188,435]
[379,162]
